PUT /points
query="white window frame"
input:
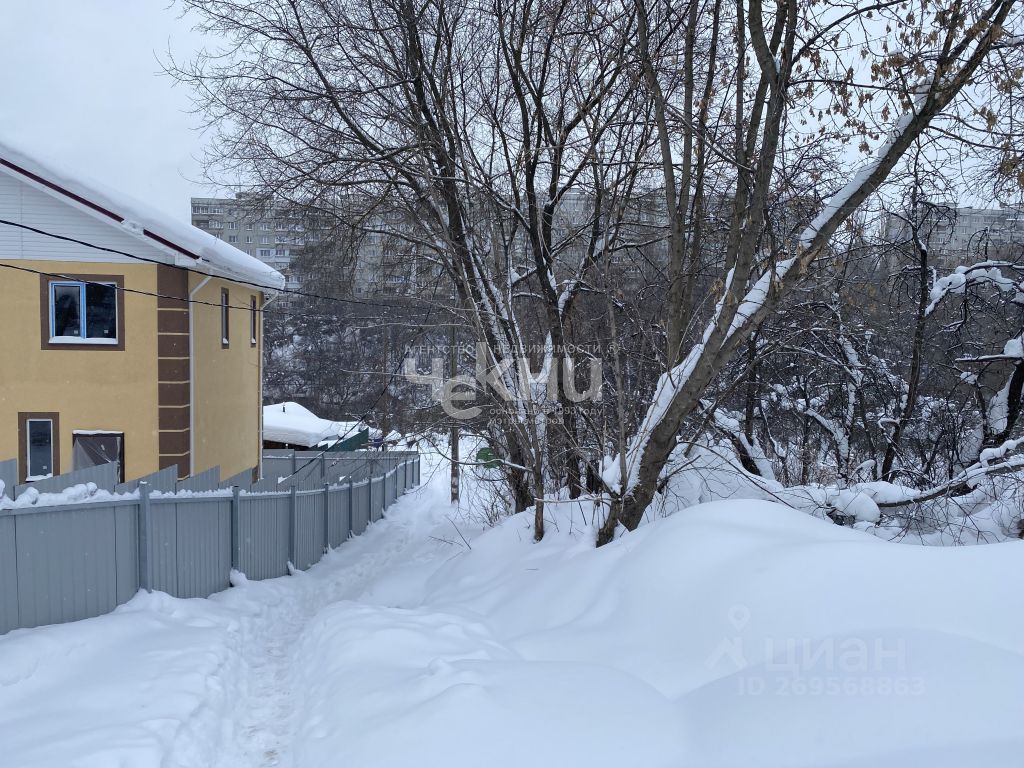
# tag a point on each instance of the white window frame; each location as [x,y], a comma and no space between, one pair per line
[29,477]
[81,284]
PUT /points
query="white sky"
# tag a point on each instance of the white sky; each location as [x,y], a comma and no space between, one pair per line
[81,88]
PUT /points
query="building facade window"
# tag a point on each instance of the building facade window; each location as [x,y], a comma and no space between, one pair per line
[225,319]
[83,312]
[253,321]
[38,445]
[232,224]
[232,238]
[93,449]
[265,240]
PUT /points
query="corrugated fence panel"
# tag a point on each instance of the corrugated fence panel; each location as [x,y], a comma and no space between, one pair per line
[263,535]
[165,481]
[8,575]
[82,560]
[309,528]
[9,477]
[376,498]
[105,476]
[126,541]
[204,481]
[361,507]
[339,521]
[243,480]
[204,546]
[65,561]
[163,545]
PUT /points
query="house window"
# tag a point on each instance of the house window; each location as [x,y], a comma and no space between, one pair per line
[38,445]
[248,239]
[93,449]
[83,312]
[265,253]
[265,240]
[225,319]
[232,225]
[200,209]
[232,238]
[252,321]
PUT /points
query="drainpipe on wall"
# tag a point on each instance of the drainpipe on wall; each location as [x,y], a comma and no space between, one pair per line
[192,376]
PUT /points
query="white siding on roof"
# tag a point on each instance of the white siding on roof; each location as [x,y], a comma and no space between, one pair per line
[23,203]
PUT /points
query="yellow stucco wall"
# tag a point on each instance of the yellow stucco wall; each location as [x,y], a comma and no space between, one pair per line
[226,382]
[91,389]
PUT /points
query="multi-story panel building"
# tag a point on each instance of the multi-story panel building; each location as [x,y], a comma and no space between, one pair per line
[954,234]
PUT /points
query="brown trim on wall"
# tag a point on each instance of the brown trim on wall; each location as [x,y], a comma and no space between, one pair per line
[44,311]
[172,345]
[174,388]
[172,321]
[23,419]
[175,394]
[174,443]
[180,461]
[174,418]
[172,369]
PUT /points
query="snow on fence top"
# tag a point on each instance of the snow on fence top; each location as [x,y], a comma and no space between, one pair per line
[174,238]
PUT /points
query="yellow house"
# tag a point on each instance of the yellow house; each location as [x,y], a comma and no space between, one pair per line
[127,335]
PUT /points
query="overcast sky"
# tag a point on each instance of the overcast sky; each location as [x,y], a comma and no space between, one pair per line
[81,85]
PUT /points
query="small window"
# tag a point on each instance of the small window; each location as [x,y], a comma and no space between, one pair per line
[225,319]
[253,320]
[39,449]
[232,225]
[232,238]
[83,312]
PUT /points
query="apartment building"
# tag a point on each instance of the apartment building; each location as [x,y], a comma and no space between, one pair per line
[954,233]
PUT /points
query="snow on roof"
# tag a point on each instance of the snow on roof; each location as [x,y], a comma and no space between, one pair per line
[213,255]
[295,425]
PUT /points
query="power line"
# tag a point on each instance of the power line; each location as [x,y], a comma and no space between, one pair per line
[261,286]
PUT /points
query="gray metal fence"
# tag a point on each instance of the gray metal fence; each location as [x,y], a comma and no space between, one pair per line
[74,561]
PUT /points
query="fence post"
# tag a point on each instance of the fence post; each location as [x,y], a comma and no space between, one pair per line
[236,539]
[145,566]
[295,462]
[293,522]
[351,506]
[327,517]
[369,501]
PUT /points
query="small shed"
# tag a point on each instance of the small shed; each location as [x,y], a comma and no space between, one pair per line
[292,426]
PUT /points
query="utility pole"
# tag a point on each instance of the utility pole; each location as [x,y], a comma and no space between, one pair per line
[453,365]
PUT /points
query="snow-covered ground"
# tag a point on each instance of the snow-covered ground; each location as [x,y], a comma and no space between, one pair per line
[731,634]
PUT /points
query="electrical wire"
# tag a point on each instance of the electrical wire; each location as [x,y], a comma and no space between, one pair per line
[145,259]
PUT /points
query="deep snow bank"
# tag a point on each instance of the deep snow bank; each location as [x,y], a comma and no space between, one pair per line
[734,633]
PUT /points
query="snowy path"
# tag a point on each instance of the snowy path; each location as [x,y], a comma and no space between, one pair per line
[261,727]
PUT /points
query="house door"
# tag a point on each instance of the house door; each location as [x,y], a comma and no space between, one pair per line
[90,449]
